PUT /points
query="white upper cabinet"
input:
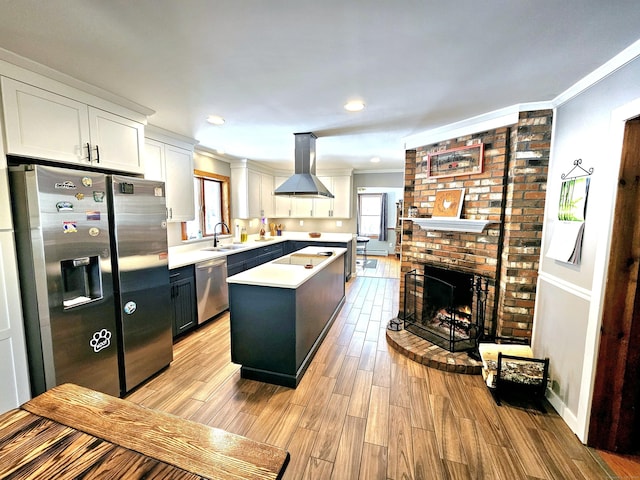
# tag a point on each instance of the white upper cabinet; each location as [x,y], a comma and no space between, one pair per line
[303,207]
[42,124]
[340,205]
[282,203]
[174,166]
[116,141]
[252,192]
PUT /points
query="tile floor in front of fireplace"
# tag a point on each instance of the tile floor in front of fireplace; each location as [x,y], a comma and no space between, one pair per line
[365,411]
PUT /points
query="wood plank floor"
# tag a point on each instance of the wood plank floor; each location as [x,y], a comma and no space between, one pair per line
[363,411]
[386,267]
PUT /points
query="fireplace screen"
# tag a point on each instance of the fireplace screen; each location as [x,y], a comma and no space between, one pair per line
[446,308]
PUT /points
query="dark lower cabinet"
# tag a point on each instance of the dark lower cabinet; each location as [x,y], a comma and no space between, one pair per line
[183,299]
[241,261]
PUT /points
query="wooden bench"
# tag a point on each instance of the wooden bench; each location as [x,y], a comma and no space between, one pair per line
[513,367]
[72,431]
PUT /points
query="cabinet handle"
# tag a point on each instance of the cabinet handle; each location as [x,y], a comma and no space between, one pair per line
[88,152]
[170,212]
[97,154]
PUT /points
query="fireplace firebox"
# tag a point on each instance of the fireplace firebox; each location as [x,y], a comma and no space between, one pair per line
[445,307]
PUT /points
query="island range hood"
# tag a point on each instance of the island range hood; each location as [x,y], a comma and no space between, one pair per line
[304,183]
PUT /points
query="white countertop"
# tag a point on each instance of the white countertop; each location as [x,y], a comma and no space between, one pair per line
[283,275]
[191,253]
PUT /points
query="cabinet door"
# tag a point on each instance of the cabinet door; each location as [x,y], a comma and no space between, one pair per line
[154,165]
[116,142]
[323,207]
[259,194]
[302,207]
[179,184]
[184,305]
[266,195]
[254,197]
[282,204]
[14,376]
[42,124]
[342,192]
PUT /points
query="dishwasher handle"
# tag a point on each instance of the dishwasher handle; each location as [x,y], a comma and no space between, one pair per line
[211,263]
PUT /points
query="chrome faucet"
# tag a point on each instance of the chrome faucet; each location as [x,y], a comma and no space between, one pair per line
[215,234]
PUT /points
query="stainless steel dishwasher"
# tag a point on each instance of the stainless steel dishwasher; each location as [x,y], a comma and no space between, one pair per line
[211,287]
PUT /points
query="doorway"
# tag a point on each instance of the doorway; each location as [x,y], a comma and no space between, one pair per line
[614,424]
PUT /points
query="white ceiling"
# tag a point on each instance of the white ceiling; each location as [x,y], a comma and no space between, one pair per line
[274,68]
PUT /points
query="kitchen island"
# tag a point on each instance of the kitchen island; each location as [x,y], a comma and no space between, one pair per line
[282,310]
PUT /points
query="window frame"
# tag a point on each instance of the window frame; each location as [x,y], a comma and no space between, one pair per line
[225,206]
[369,235]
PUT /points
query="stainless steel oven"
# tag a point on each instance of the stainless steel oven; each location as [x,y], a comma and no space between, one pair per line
[211,287]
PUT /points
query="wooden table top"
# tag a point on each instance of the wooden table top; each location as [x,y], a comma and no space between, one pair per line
[71,431]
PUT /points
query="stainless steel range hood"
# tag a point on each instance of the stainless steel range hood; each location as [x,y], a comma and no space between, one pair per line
[304,183]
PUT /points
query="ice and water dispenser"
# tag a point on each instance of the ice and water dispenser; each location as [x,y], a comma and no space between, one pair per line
[81,281]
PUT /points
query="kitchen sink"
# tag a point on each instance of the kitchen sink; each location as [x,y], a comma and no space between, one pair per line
[223,248]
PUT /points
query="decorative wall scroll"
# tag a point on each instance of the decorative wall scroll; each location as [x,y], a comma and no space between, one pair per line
[566,239]
[448,203]
[456,161]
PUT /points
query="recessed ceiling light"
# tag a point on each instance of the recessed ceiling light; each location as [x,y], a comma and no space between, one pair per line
[215,120]
[354,106]
[375,160]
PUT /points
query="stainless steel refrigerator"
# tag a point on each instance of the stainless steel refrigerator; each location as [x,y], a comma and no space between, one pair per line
[141,273]
[93,276]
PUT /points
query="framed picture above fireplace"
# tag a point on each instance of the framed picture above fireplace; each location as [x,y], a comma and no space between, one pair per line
[456,161]
[448,203]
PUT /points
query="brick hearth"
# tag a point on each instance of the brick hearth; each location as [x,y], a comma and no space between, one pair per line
[426,353]
[510,191]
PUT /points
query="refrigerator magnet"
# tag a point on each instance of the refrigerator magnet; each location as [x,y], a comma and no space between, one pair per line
[98,197]
[93,215]
[69,227]
[100,340]
[157,192]
[87,182]
[94,232]
[79,196]
[64,206]
[66,185]
[130,307]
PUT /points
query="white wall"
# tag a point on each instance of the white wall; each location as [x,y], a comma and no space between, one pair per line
[391,183]
[567,319]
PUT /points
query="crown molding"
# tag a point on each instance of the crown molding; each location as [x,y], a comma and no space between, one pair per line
[627,55]
[486,121]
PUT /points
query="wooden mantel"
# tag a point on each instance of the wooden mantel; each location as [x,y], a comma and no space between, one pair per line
[450,224]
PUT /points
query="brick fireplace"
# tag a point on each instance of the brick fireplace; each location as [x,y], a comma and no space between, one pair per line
[511,192]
